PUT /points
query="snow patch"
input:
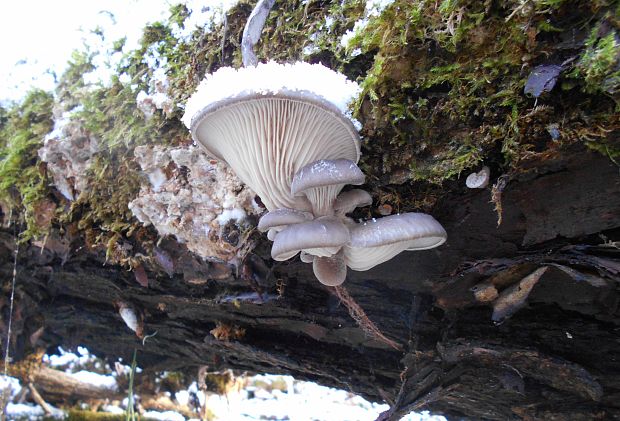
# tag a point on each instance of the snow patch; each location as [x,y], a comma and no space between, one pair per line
[374,8]
[69,359]
[10,383]
[34,412]
[204,14]
[164,416]
[100,380]
[157,98]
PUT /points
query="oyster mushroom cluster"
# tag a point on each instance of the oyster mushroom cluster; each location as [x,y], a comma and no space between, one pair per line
[285,131]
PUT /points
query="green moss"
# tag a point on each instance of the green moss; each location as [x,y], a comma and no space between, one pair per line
[77,415]
[23,182]
[442,91]
[445,87]
[599,64]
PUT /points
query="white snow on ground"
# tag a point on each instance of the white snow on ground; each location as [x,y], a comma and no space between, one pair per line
[273,397]
[96,379]
[69,359]
[113,409]
[32,412]
[299,401]
[269,78]
[10,382]
[164,416]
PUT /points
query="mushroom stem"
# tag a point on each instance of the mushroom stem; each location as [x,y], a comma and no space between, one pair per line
[252,31]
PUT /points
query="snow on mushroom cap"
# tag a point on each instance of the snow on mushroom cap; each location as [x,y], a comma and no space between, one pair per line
[321,181]
[325,172]
[272,78]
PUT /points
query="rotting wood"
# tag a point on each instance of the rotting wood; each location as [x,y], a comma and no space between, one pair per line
[551,358]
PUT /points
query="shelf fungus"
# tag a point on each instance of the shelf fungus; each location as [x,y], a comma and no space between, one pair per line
[286,132]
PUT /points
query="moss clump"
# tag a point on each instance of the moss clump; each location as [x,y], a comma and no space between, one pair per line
[23,181]
[599,64]
[76,415]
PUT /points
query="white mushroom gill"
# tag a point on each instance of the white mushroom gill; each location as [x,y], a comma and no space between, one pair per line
[286,132]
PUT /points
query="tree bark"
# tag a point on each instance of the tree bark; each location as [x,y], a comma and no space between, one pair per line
[552,355]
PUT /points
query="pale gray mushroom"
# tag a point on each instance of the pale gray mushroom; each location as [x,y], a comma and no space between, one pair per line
[275,221]
[267,138]
[347,201]
[321,237]
[322,180]
[374,242]
[330,271]
[278,219]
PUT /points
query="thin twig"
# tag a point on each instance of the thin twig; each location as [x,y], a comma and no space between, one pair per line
[517,10]
[39,400]
[252,31]
[223,44]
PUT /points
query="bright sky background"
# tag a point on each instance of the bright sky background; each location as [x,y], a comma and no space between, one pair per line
[37,35]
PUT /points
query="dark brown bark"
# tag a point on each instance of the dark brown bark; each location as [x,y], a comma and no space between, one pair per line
[553,356]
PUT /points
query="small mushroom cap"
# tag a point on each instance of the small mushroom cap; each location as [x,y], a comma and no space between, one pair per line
[480,179]
[317,234]
[281,218]
[326,172]
[330,271]
[349,200]
[374,242]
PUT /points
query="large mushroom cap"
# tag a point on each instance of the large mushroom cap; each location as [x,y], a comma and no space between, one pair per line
[316,236]
[374,242]
[269,121]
